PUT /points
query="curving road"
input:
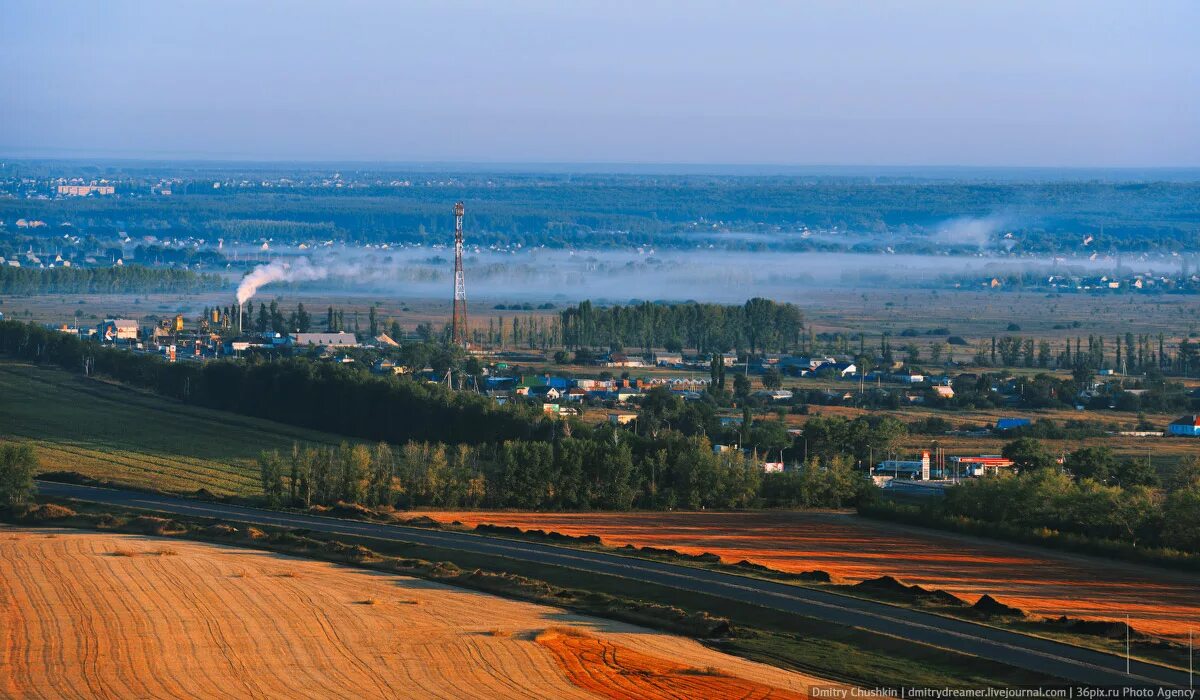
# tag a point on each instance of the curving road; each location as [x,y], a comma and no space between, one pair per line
[1074,664]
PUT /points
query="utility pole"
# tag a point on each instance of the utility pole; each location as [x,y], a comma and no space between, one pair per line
[1127,645]
[458,321]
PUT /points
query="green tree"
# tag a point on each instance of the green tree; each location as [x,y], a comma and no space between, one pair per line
[1134,472]
[383,468]
[741,386]
[264,318]
[18,463]
[1096,463]
[1181,519]
[1185,475]
[270,471]
[300,487]
[772,379]
[303,319]
[1028,455]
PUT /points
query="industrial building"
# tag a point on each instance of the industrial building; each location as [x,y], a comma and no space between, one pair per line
[341,339]
[946,467]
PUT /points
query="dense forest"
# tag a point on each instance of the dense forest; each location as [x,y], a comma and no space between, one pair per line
[129,279]
[757,326]
[866,214]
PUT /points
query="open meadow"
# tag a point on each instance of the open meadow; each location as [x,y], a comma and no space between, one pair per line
[110,432]
[1041,582]
[130,616]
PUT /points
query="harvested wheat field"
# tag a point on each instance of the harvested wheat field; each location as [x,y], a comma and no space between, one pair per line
[1039,581]
[98,615]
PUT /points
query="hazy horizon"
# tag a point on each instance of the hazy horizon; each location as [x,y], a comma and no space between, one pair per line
[917,84]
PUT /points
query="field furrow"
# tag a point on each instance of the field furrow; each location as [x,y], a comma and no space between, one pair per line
[99,615]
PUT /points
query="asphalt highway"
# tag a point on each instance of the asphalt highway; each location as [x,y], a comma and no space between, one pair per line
[1074,664]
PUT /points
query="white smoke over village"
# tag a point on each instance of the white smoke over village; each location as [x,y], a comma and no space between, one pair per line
[971,230]
[297,270]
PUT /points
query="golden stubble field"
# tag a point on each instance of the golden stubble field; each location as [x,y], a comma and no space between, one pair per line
[101,615]
[1039,581]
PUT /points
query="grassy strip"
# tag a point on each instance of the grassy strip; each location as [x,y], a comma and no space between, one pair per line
[790,641]
[916,515]
[113,432]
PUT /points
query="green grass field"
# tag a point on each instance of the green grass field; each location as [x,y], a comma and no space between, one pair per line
[110,432]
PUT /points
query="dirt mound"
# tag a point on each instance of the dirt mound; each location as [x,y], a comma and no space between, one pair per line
[1110,629]
[815,575]
[220,530]
[420,521]
[356,552]
[351,511]
[895,589]
[885,584]
[48,511]
[989,606]
[154,525]
[706,557]
[65,477]
[510,531]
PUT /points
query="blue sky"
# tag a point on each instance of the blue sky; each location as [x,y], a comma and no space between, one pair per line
[851,83]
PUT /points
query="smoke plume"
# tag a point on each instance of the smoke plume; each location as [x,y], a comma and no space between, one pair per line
[300,270]
[968,230]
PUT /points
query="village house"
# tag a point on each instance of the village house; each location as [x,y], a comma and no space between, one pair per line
[115,329]
[620,359]
[668,359]
[546,392]
[622,418]
[774,395]
[836,369]
[1188,426]
[386,366]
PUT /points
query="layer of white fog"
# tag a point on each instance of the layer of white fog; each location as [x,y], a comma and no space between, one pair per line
[671,275]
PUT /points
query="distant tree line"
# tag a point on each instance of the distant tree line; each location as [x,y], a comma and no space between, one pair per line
[609,469]
[628,210]
[127,279]
[1128,353]
[759,325]
[1045,390]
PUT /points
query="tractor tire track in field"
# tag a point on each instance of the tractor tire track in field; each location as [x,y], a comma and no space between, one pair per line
[102,615]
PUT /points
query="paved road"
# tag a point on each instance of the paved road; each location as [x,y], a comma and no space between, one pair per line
[1060,660]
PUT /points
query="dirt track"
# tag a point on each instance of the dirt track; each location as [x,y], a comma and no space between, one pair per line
[120,616]
[1039,581]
